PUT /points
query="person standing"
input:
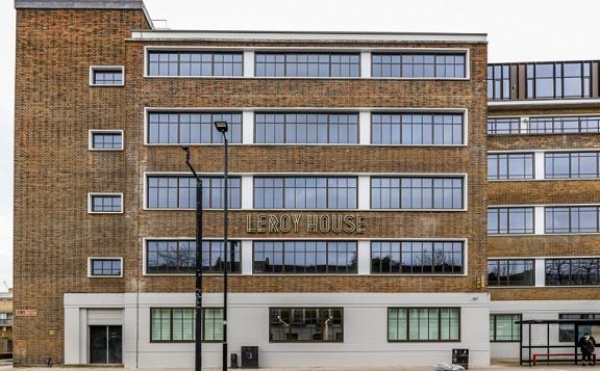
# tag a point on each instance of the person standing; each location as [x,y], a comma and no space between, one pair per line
[587,344]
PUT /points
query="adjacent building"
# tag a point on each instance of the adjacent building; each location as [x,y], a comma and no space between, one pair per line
[369,209]
[6,323]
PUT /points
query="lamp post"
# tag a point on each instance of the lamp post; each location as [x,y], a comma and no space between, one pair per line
[198,329]
[222,128]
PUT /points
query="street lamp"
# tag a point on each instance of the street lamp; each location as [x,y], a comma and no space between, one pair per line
[198,329]
[222,128]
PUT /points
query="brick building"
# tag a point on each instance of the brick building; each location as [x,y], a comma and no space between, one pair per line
[358,204]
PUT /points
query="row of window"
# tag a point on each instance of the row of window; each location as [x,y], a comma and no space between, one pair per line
[406,193]
[413,64]
[290,325]
[556,165]
[555,80]
[558,272]
[557,220]
[308,324]
[543,125]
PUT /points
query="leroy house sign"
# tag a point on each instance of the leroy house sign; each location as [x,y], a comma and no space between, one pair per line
[295,223]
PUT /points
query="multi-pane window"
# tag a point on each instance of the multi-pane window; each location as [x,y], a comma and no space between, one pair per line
[192,127]
[305,257]
[417,257]
[419,65]
[572,272]
[572,219]
[423,324]
[106,267]
[106,140]
[417,193]
[178,324]
[503,327]
[417,128]
[510,220]
[502,166]
[498,81]
[503,125]
[566,332]
[107,76]
[306,325]
[558,80]
[572,165]
[307,64]
[106,203]
[195,63]
[305,192]
[563,124]
[511,272]
[306,128]
[179,256]
[179,192]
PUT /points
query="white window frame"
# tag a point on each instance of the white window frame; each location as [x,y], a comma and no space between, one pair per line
[100,194]
[95,68]
[92,258]
[105,131]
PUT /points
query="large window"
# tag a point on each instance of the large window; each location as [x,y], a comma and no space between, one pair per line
[504,329]
[424,324]
[179,256]
[572,272]
[105,203]
[305,257]
[417,257]
[306,325]
[306,128]
[178,324]
[307,65]
[511,272]
[503,125]
[305,192]
[503,166]
[418,128]
[572,165]
[179,192]
[192,127]
[417,193]
[498,81]
[510,220]
[566,333]
[575,219]
[563,124]
[194,63]
[558,80]
[419,65]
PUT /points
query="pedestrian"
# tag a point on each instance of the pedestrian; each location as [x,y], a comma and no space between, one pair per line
[587,344]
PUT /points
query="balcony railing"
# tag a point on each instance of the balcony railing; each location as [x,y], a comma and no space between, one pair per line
[6,322]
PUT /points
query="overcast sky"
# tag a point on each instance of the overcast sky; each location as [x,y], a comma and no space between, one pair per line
[518,30]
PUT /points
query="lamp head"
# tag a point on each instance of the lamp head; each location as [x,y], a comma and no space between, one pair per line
[187,153]
[221,126]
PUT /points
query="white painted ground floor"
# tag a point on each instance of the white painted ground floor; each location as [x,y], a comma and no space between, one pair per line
[155,330]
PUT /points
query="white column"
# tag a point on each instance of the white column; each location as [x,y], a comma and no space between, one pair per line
[364,257]
[540,272]
[248,63]
[247,192]
[524,125]
[247,127]
[246,257]
[364,192]
[364,127]
[365,65]
[539,217]
[539,165]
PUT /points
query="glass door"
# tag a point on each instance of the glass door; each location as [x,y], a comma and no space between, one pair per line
[106,344]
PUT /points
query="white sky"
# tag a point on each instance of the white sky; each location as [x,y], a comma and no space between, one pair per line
[518,30]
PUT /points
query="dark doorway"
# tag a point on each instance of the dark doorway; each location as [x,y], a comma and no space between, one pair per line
[106,344]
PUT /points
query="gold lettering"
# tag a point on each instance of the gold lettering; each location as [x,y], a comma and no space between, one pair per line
[324,224]
[349,224]
[273,223]
[285,223]
[249,227]
[296,219]
[336,224]
[262,223]
[312,222]
[360,224]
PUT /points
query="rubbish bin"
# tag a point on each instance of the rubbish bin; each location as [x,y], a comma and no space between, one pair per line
[249,357]
[461,357]
[233,361]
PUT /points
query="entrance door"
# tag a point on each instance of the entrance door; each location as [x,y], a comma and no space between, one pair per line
[106,344]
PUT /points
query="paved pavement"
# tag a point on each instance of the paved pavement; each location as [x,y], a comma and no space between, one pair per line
[6,365]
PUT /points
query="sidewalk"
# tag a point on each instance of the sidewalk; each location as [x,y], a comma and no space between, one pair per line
[6,365]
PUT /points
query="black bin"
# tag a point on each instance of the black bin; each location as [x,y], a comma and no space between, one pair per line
[233,361]
[249,357]
[461,357]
